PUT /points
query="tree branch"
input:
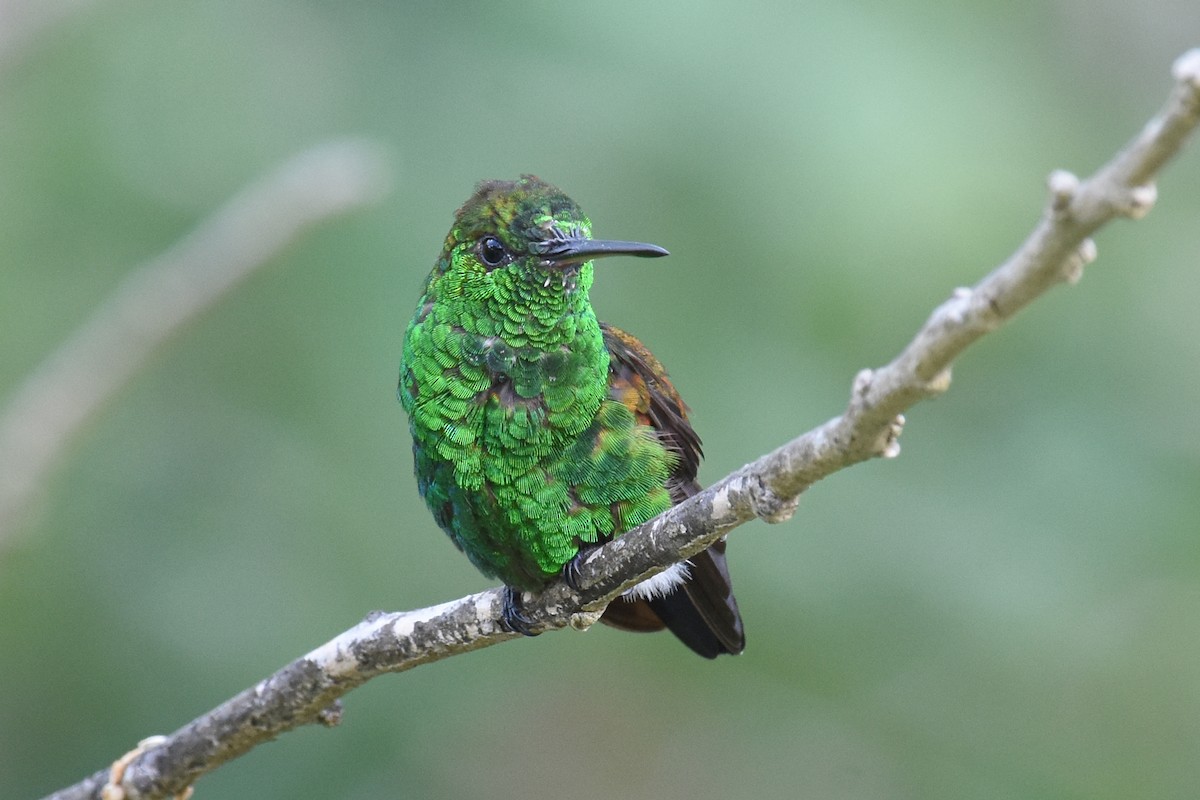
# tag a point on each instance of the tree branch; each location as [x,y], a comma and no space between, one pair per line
[1056,251]
[156,299]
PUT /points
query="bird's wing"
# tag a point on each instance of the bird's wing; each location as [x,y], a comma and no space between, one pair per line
[639,381]
[703,613]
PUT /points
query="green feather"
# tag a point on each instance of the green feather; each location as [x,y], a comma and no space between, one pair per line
[519,451]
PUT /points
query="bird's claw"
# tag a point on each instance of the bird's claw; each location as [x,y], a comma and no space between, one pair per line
[570,571]
[512,615]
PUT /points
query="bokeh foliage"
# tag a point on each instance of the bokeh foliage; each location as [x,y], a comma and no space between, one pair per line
[1008,610]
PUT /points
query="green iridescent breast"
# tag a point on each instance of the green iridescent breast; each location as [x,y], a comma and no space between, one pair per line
[519,451]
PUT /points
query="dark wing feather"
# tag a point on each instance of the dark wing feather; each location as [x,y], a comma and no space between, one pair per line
[637,379]
[703,613]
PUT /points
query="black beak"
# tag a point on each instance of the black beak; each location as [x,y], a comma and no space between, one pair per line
[565,252]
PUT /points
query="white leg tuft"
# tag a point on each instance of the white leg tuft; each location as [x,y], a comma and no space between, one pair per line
[660,585]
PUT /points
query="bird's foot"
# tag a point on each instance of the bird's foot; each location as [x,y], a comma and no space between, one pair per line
[512,615]
[570,570]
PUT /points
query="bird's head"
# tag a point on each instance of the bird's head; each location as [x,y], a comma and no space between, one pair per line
[522,249]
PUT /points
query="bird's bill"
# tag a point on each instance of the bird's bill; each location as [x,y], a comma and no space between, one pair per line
[574,251]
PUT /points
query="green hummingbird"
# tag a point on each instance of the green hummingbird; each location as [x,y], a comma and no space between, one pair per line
[540,432]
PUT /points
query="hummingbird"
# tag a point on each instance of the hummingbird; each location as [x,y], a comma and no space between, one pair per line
[539,432]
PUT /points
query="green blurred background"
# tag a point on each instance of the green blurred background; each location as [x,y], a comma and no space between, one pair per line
[1009,610]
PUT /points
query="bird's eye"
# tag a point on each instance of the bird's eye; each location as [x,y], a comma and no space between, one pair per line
[491,251]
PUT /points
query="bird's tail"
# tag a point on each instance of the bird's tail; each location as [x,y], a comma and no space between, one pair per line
[702,611]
